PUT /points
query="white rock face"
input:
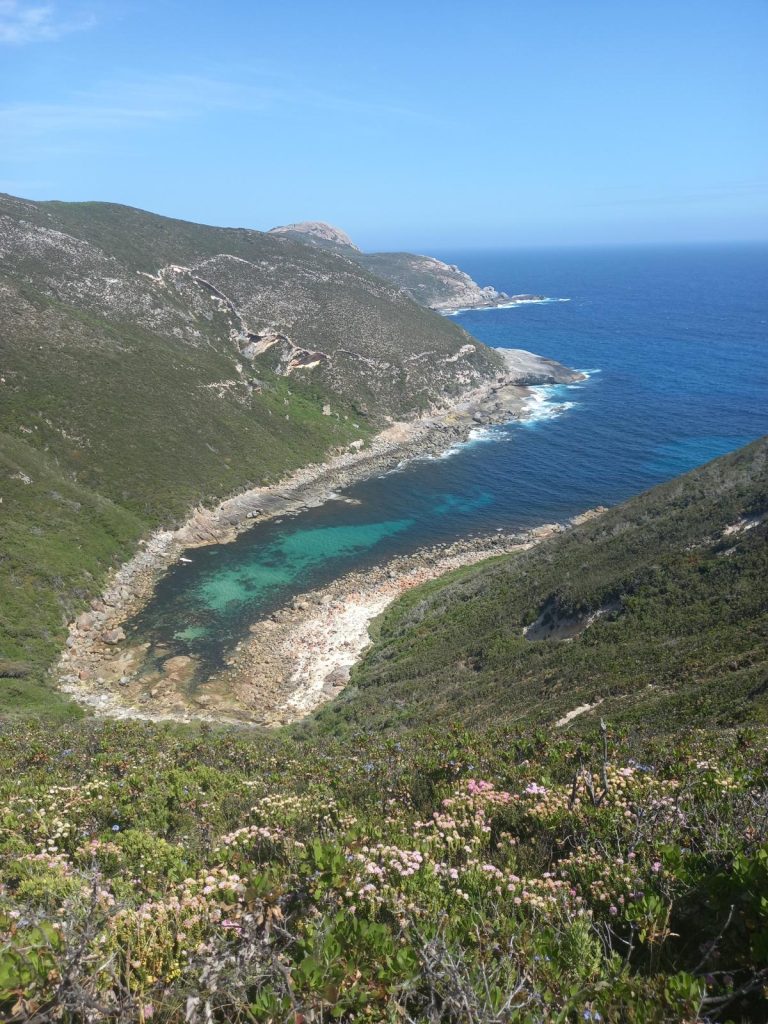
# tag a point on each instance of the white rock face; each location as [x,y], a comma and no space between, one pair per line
[318,230]
[457,287]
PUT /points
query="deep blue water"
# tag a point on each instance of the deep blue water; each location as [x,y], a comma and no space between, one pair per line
[676,344]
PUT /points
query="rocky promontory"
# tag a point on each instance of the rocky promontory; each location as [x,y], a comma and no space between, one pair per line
[430,282]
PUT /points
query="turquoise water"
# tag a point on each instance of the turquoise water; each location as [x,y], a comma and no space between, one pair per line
[674,341]
[286,560]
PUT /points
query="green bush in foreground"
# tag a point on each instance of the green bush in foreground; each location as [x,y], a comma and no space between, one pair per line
[187,875]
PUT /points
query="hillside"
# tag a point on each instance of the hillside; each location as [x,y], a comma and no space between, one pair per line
[428,851]
[427,280]
[149,364]
[655,614]
[261,300]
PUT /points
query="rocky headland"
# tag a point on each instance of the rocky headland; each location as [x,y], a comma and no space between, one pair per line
[430,282]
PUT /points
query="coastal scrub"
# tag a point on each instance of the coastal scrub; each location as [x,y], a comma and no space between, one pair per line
[192,875]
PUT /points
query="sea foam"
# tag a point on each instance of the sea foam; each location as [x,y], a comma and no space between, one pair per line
[542,404]
[502,305]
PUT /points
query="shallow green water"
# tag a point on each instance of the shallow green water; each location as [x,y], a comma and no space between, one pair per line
[288,559]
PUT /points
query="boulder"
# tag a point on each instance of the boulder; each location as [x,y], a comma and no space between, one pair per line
[113,636]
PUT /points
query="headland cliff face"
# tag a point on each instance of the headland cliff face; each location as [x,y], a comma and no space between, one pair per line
[430,282]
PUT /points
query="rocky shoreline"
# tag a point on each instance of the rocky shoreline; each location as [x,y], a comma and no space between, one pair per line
[301,656]
[488,298]
[101,671]
[497,300]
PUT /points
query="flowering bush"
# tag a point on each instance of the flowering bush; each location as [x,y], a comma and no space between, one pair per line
[190,876]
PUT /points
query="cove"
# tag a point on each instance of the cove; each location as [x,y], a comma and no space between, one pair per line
[675,345]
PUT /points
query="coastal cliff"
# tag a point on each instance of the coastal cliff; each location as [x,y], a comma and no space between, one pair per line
[430,282]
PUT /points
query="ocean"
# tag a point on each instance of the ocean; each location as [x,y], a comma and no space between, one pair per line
[675,343]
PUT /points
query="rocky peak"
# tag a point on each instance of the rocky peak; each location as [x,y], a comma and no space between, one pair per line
[318,232]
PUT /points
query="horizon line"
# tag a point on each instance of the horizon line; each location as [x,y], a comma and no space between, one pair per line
[461,247]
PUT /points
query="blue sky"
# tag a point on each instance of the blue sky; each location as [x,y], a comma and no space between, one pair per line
[421,124]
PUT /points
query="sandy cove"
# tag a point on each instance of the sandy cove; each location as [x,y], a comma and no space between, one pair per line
[100,671]
[301,656]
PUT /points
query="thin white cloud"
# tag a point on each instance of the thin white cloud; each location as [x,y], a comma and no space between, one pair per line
[32,131]
[22,22]
[26,127]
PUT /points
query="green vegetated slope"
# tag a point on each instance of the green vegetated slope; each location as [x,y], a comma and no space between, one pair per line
[147,365]
[57,538]
[380,348]
[681,637]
